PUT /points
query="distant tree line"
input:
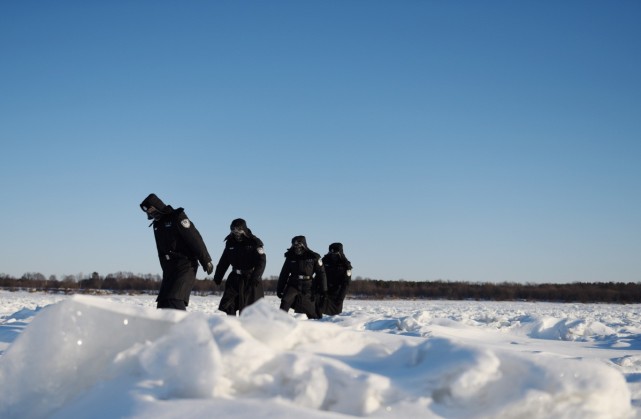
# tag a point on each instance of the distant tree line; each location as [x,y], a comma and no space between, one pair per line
[361,288]
[581,292]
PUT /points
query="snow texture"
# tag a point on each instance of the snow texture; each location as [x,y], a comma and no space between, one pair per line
[117,356]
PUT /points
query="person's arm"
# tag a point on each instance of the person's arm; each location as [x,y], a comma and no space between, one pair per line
[260,262]
[320,277]
[193,240]
[221,268]
[347,279]
[282,279]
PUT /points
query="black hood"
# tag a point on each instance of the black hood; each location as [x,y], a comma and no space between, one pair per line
[338,247]
[290,251]
[239,222]
[300,239]
[153,201]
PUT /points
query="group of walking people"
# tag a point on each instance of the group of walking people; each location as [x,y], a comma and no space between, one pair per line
[308,283]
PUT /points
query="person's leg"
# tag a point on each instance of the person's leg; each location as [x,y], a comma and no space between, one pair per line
[307,301]
[229,300]
[288,299]
[172,303]
[309,308]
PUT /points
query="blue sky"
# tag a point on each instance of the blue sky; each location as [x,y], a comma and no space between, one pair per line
[464,141]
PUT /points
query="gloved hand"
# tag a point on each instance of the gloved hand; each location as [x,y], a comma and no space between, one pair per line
[208,267]
[280,294]
[218,281]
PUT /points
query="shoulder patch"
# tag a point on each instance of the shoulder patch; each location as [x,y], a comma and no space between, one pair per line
[260,250]
[185,223]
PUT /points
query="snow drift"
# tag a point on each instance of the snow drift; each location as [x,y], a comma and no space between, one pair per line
[87,357]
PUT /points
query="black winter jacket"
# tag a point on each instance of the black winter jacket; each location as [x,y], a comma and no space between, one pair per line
[306,266]
[338,271]
[247,255]
[180,247]
[244,286]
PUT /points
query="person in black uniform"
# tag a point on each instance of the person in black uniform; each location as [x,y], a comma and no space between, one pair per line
[301,278]
[245,254]
[180,248]
[339,275]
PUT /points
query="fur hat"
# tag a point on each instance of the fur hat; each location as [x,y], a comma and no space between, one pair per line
[238,223]
[336,247]
[300,239]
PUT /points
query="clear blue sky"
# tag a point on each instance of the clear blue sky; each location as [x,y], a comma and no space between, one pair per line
[456,140]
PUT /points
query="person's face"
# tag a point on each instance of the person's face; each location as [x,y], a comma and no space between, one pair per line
[299,247]
[153,213]
[334,254]
[238,233]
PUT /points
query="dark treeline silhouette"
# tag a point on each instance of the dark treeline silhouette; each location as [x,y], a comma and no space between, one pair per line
[582,292]
[361,288]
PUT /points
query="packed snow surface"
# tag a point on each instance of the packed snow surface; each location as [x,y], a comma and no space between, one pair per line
[117,356]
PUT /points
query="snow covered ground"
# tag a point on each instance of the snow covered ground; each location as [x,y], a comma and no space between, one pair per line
[119,357]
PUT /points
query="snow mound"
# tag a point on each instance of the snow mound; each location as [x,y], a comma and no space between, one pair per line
[83,356]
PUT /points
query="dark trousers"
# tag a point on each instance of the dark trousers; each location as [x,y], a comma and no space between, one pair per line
[299,300]
[172,303]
